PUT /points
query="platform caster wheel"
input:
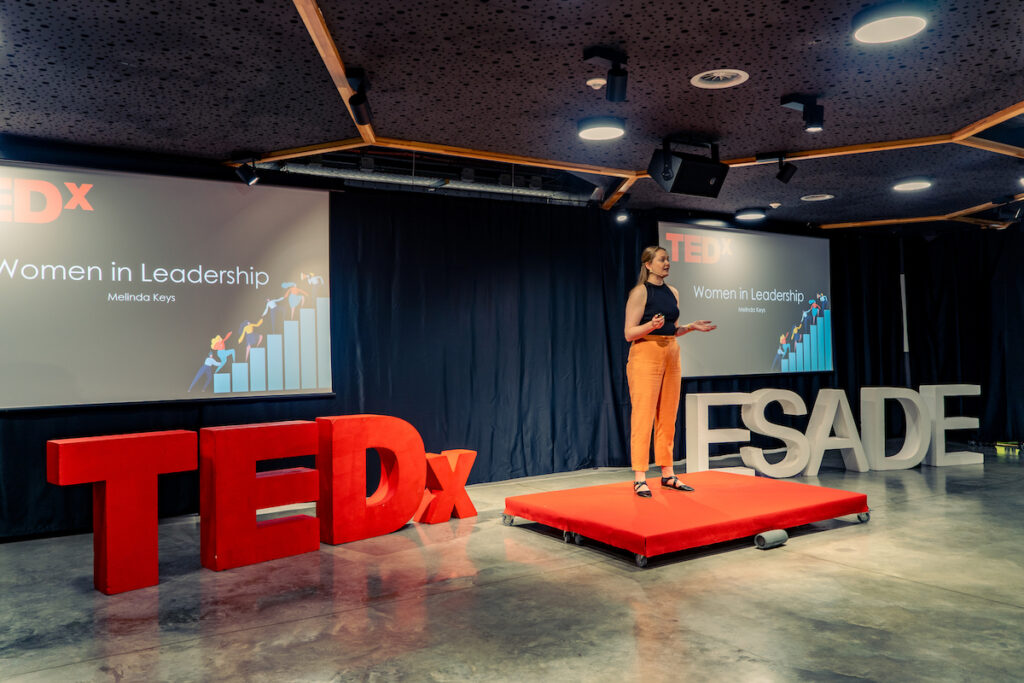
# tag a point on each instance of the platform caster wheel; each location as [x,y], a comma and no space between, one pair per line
[507,519]
[641,560]
[577,539]
[863,517]
[567,536]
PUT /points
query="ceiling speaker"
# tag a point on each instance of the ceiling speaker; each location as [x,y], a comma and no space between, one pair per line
[687,173]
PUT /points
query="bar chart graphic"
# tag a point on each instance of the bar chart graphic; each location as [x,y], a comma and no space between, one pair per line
[298,358]
[814,350]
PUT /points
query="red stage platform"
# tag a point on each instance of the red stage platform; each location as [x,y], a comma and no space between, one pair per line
[724,506]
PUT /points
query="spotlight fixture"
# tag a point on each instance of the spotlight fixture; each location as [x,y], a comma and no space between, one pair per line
[814,118]
[912,185]
[786,171]
[358,103]
[360,107]
[621,217]
[889,22]
[601,128]
[814,113]
[247,173]
[1010,213]
[615,60]
[751,214]
[617,80]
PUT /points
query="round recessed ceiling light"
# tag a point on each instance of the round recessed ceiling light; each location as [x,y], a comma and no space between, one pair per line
[1021,181]
[716,79]
[597,82]
[912,185]
[709,222]
[601,128]
[751,214]
[822,197]
[622,217]
[889,22]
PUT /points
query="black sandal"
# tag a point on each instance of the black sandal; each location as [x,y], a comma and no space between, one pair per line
[645,492]
[674,484]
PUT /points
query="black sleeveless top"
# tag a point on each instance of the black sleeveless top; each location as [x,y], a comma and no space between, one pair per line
[661,300]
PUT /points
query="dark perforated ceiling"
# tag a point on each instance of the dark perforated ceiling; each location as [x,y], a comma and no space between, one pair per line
[863,181]
[210,78]
[193,78]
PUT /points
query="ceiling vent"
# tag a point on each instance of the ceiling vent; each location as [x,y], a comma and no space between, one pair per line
[716,79]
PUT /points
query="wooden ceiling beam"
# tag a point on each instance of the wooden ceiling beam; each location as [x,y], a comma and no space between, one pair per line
[962,216]
[847,150]
[313,18]
[1010,112]
[313,150]
[982,223]
[885,221]
[620,191]
[984,207]
[448,150]
[992,146]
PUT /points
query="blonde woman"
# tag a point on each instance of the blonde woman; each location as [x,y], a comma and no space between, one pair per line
[654,371]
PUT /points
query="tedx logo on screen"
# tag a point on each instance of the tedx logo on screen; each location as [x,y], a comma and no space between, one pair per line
[29,200]
[698,248]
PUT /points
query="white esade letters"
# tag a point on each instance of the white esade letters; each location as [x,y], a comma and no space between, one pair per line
[831,426]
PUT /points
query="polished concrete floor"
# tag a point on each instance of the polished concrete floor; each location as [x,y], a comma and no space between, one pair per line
[931,589]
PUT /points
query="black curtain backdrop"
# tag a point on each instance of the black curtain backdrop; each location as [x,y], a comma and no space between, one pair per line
[491,326]
[965,313]
[497,326]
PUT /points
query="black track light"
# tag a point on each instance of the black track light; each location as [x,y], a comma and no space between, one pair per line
[360,109]
[814,113]
[615,60]
[814,118]
[786,171]
[616,88]
[358,103]
[247,173]
[1010,213]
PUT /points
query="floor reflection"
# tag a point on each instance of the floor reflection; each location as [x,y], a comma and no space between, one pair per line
[473,599]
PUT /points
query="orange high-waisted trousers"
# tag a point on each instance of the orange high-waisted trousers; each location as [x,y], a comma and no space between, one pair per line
[654,374]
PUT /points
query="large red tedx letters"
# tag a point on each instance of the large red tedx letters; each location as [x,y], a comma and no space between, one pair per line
[344,511]
[446,487]
[231,493]
[19,194]
[123,470]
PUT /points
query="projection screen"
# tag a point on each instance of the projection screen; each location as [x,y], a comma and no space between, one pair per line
[768,294]
[124,287]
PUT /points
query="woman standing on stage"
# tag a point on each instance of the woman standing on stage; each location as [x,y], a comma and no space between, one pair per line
[654,371]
